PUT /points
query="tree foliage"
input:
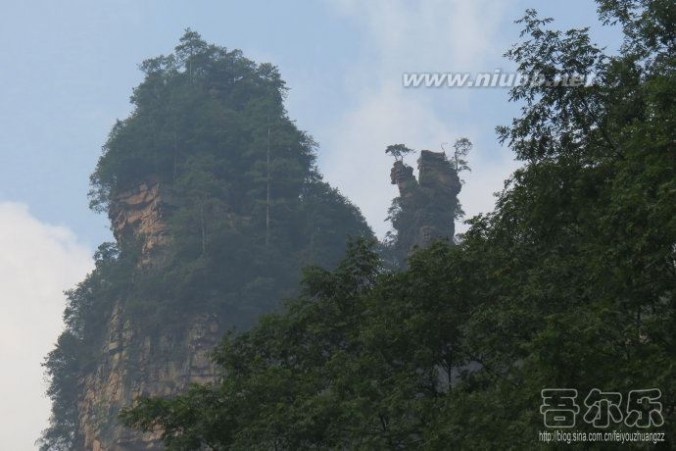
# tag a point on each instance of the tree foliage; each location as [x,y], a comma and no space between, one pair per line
[461,148]
[569,282]
[211,126]
[88,307]
[398,151]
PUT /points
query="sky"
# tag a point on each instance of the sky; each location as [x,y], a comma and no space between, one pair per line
[69,69]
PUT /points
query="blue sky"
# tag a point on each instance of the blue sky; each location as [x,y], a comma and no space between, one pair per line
[68,69]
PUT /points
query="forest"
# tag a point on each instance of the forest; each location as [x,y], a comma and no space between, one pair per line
[334,340]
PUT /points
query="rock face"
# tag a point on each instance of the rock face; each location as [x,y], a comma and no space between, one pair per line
[135,362]
[136,365]
[140,213]
[426,208]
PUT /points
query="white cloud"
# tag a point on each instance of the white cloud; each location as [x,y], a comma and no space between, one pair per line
[430,33]
[402,36]
[38,261]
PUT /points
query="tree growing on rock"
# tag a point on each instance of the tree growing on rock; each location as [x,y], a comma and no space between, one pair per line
[461,148]
[398,151]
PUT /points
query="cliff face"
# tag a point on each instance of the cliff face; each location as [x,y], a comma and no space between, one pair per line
[134,362]
[137,365]
[140,213]
[426,207]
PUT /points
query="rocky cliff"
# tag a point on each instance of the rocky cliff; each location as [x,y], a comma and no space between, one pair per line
[216,205]
[140,213]
[134,365]
[134,362]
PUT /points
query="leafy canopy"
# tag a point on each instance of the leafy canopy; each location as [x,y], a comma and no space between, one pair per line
[569,282]
[398,151]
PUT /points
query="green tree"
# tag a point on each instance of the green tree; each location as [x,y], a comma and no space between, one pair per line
[461,148]
[398,151]
[569,282]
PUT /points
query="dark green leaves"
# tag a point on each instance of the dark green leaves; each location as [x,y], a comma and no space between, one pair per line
[398,151]
[570,282]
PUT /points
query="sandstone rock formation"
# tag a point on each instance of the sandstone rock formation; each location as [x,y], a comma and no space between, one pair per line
[427,207]
[140,213]
[134,362]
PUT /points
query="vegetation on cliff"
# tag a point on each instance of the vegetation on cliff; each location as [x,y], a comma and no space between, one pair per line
[245,209]
[569,283]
